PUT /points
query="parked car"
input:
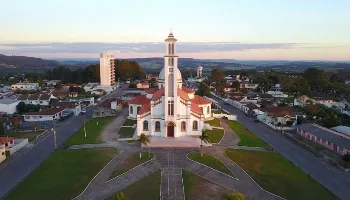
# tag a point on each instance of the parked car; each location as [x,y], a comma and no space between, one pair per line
[256,121]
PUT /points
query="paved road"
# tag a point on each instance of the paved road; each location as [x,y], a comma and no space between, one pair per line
[334,180]
[15,171]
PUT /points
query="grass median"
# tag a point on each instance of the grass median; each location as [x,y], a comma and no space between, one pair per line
[246,137]
[215,135]
[210,161]
[92,132]
[214,122]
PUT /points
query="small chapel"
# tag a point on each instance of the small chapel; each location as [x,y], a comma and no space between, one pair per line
[170,110]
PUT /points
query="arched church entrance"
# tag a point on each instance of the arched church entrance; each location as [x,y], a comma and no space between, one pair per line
[170,129]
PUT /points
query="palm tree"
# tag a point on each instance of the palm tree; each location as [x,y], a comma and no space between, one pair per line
[204,138]
[143,139]
[97,116]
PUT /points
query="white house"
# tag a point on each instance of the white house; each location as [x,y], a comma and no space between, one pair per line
[2,154]
[98,92]
[171,111]
[277,93]
[48,114]
[42,99]
[71,106]
[5,142]
[8,105]
[142,85]
[248,85]
[25,86]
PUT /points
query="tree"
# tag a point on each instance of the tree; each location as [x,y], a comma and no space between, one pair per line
[40,81]
[143,139]
[58,86]
[217,76]
[233,196]
[203,90]
[120,196]
[336,78]
[204,138]
[346,157]
[153,83]
[235,85]
[2,131]
[21,108]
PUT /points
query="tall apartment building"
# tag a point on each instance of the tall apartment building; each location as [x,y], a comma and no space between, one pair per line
[107,73]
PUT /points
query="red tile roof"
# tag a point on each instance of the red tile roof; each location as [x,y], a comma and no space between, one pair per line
[158,94]
[200,100]
[63,105]
[140,100]
[145,108]
[187,90]
[151,90]
[99,90]
[278,111]
[195,108]
[47,111]
[4,140]
[251,106]
[183,94]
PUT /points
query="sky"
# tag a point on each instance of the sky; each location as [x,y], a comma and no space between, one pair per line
[205,29]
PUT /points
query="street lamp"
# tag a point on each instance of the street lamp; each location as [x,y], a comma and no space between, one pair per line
[54,132]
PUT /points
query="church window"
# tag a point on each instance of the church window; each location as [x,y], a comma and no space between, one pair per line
[131,110]
[157,126]
[171,85]
[169,49]
[171,108]
[170,69]
[172,48]
[183,126]
[208,110]
[145,125]
[195,126]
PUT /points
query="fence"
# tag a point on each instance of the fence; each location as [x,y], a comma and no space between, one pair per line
[19,143]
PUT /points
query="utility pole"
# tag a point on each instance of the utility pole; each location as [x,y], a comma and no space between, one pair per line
[84,127]
[54,132]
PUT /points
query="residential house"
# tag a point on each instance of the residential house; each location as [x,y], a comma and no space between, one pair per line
[90,87]
[276,115]
[303,101]
[334,141]
[42,99]
[5,142]
[228,89]
[62,94]
[8,106]
[277,92]
[66,86]
[48,114]
[2,153]
[51,83]
[73,107]
[25,86]
[150,76]
[323,100]
[248,85]
[142,85]
[113,103]
[98,92]
[266,97]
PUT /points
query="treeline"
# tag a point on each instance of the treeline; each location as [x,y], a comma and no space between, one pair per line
[124,70]
[27,61]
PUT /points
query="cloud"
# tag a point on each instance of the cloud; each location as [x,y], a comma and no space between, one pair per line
[150,47]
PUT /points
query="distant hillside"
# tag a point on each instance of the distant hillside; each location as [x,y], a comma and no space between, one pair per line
[24,61]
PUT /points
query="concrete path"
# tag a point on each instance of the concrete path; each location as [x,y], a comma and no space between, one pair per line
[91,146]
[109,134]
[230,138]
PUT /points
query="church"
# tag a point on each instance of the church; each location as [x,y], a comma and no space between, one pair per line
[170,110]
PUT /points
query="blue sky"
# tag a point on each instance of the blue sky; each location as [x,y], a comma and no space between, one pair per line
[288,29]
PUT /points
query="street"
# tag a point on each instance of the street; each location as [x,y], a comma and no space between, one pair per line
[21,166]
[334,180]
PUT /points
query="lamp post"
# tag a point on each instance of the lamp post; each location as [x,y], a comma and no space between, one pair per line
[54,132]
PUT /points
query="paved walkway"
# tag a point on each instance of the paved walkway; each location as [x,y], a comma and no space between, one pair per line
[171,161]
[109,134]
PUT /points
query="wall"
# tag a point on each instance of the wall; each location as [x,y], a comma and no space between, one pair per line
[19,143]
[230,117]
[37,118]
[2,154]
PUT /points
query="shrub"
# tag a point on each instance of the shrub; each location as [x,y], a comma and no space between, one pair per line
[224,117]
[346,157]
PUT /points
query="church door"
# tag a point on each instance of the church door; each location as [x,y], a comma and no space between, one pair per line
[170,130]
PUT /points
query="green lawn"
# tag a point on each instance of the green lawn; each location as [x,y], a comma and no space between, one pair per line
[210,161]
[147,188]
[126,132]
[214,122]
[215,135]
[276,174]
[92,132]
[189,181]
[63,175]
[129,122]
[131,162]
[218,112]
[31,135]
[247,138]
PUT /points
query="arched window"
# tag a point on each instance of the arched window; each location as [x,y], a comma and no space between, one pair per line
[208,110]
[157,126]
[195,125]
[131,110]
[169,61]
[183,126]
[145,125]
[201,109]
[169,49]
[138,109]
[172,48]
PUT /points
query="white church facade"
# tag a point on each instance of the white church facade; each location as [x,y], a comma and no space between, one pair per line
[170,110]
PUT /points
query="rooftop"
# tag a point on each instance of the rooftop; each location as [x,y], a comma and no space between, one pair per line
[200,100]
[140,100]
[8,101]
[4,140]
[47,111]
[327,134]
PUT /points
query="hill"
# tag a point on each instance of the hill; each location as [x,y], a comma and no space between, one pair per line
[24,61]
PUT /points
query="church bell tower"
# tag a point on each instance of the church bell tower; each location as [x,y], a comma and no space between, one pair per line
[170,79]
